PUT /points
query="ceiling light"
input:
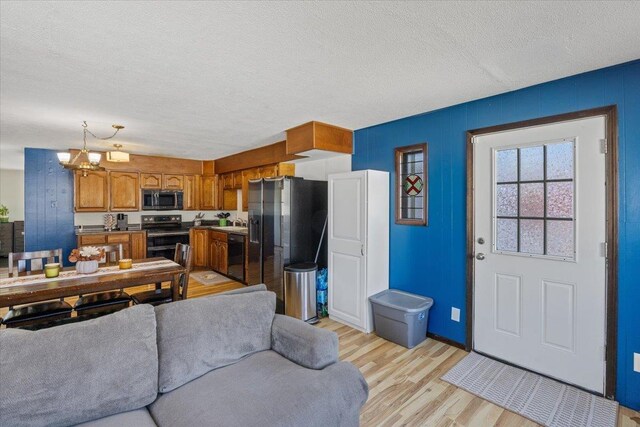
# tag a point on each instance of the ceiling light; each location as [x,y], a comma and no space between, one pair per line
[117,155]
[84,160]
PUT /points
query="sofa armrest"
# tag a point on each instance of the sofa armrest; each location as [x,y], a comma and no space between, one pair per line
[303,344]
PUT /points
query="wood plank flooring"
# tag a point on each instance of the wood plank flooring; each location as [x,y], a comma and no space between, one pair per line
[405,386]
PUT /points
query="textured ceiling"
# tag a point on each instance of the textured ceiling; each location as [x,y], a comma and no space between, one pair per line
[207,79]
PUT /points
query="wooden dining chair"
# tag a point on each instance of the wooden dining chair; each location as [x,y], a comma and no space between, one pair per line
[101,303]
[37,315]
[163,295]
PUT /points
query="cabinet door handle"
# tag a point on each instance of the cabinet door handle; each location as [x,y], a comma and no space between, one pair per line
[362,249]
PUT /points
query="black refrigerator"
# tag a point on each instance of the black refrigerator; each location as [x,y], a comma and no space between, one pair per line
[286,220]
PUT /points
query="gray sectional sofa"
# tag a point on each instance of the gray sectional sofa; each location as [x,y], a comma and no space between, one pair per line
[223,360]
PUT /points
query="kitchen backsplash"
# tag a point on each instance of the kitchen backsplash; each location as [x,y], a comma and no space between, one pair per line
[97,218]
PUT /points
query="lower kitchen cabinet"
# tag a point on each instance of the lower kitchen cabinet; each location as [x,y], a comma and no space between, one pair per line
[199,241]
[218,251]
[134,243]
[139,245]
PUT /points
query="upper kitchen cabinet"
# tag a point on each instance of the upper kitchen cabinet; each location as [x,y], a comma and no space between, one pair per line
[191,198]
[313,138]
[125,191]
[253,173]
[172,182]
[209,198]
[91,192]
[227,181]
[151,181]
[237,180]
[270,171]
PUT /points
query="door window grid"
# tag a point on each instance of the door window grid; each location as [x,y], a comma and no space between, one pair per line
[508,210]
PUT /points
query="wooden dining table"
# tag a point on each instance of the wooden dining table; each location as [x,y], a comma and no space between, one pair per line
[33,288]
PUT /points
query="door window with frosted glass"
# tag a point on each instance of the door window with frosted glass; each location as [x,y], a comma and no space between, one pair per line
[534,190]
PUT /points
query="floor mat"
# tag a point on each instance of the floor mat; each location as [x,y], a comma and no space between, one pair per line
[209,278]
[540,399]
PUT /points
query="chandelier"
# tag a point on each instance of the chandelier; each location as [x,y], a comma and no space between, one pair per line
[85,160]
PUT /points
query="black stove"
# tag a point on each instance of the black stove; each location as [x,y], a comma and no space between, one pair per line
[163,233]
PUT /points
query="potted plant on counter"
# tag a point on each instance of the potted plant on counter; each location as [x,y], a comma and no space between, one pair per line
[4,213]
[223,218]
[86,259]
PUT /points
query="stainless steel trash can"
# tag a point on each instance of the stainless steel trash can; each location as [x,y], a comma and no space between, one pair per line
[300,291]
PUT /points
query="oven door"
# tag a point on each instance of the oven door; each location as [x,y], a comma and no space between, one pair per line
[164,245]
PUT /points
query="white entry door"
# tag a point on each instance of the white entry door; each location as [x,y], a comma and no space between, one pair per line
[347,235]
[539,241]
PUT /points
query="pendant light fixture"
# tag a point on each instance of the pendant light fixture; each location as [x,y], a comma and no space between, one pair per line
[85,160]
[117,155]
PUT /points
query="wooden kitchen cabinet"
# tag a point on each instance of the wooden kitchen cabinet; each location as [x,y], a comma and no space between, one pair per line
[218,256]
[286,169]
[151,181]
[134,243]
[270,171]
[223,257]
[199,241]
[218,251]
[214,259]
[253,173]
[227,181]
[172,182]
[91,192]
[209,193]
[122,238]
[124,188]
[237,180]
[138,245]
[191,197]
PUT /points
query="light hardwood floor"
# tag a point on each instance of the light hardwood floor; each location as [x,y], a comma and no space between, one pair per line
[404,385]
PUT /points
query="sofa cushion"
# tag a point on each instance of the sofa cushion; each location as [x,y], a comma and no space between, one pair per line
[79,372]
[266,389]
[201,334]
[137,418]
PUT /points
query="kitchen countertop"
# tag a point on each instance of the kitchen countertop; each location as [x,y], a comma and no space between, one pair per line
[86,231]
[227,229]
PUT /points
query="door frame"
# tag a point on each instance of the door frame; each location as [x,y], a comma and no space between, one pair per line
[610,114]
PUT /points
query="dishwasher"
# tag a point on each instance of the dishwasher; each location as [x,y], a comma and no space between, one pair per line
[235,263]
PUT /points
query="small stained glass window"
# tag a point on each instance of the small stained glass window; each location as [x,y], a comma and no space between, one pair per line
[534,200]
[411,185]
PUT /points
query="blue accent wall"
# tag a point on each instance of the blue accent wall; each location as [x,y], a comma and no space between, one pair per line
[48,203]
[440,247]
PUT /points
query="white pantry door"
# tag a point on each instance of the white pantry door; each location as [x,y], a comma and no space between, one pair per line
[347,239]
[540,266]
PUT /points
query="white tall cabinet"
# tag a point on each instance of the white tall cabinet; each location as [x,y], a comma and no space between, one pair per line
[358,244]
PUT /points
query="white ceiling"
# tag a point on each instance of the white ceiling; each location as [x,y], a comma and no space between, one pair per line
[208,79]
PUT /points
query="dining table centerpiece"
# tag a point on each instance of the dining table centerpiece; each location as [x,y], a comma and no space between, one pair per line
[86,259]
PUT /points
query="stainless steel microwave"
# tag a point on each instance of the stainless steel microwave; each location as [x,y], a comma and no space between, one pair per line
[155,200]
